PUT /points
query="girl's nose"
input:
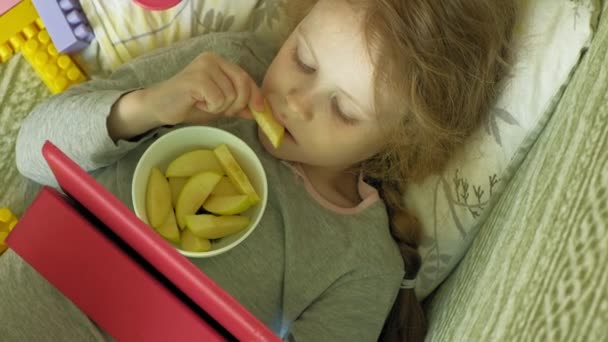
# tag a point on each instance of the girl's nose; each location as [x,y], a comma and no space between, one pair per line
[299,104]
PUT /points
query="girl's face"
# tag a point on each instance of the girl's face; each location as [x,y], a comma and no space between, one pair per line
[320,87]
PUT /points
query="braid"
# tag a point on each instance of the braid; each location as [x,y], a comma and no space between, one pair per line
[405,229]
[406,317]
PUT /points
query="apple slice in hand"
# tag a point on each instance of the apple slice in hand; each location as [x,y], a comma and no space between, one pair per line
[227,205]
[169,229]
[235,173]
[215,227]
[269,125]
[158,198]
[194,193]
[193,162]
[193,243]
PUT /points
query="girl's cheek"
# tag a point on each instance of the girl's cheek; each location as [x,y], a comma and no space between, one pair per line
[279,78]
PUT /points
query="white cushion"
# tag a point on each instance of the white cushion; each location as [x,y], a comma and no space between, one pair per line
[453,205]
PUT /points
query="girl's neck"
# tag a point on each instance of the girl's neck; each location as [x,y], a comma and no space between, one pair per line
[335,185]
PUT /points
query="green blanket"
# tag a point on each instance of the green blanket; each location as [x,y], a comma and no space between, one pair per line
[20,91]
[537,271]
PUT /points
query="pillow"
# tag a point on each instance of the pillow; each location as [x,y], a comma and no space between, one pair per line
[452,206]
[552,35]
[124,30]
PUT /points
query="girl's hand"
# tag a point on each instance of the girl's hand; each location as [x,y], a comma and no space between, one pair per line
[209,86]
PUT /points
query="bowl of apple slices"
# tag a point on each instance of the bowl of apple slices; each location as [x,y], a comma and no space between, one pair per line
[202,189]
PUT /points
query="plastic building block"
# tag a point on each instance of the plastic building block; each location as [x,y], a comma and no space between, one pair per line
[7,221]
[6,5]
[12,24]
[157,5]
[66,24]
[57,71]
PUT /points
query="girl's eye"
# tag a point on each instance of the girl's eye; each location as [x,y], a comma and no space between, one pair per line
[343,117]
[296,58]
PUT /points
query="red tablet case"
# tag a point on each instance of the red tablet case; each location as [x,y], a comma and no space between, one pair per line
[119,272]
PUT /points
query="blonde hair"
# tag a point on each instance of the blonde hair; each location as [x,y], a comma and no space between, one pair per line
[439,66]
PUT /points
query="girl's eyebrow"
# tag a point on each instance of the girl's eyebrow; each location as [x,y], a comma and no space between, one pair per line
[307,43]
[302,34]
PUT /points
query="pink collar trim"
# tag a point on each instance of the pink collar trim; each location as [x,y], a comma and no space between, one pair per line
[368,193]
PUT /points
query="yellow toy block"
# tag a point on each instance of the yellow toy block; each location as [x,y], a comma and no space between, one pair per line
[7,221]
[58,71]
[13,24]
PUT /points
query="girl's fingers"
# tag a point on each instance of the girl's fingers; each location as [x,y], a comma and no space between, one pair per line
[224,83]
[247,91]
[242,85]
[201,105]
[207,94]
[256,100]
[226,88]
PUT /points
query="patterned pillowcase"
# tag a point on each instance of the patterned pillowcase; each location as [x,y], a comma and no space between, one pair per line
[124,30]
[453,205]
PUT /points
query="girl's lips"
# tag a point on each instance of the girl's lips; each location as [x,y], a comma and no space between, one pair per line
[289,136]
[280,118]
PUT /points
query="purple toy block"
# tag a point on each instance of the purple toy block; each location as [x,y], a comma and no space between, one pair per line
[66,24]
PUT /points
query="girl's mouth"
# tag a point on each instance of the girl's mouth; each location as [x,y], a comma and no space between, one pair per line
[281,119]
[289,136]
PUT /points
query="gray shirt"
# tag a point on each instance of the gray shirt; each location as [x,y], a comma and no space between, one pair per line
[308,272]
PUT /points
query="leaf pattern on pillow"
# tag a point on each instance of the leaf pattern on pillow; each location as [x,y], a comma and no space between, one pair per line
[463,198]
[437,259]
[492,124]
[471,196]
[214,21]
[266,11]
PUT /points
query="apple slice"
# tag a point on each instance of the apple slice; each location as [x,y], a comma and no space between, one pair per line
[169,229]
[193,162]
[227,205]
[269,125]
[194,193]
[215,227]
[235,173]
[193,243]
[158,198]
[176,184]
[225,188]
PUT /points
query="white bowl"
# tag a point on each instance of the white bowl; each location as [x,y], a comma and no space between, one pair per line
[182,140]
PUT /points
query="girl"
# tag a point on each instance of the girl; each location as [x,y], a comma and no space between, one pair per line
[372,94]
